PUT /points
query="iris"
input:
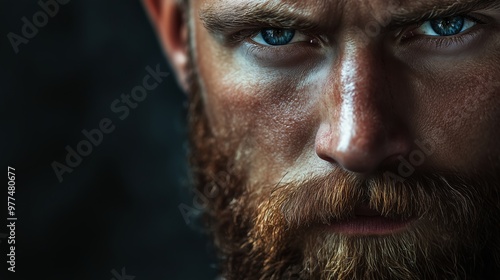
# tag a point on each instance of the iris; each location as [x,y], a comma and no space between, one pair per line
[448,26]
[277,37]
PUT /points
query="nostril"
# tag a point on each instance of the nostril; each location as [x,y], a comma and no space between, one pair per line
[390,162]
[363,154]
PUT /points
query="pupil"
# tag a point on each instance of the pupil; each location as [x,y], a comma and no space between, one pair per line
[277,37]
[448,26]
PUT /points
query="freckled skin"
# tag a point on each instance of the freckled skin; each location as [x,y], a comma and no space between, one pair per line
[368,104]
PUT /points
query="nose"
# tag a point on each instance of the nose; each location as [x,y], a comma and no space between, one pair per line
[360,129]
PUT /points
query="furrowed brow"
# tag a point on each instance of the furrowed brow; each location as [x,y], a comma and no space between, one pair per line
[441,10]
[222,19]
[226,18]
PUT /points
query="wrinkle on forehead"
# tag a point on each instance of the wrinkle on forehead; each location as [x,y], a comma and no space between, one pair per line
[334,8]
[306,9]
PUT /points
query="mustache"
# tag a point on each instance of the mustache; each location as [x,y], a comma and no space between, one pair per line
[449,199]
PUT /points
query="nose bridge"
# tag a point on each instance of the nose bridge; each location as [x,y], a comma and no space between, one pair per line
[359,131]
[361,85]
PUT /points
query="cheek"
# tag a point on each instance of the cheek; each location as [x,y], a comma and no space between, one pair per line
[269,114]
[461,112]
[272,113]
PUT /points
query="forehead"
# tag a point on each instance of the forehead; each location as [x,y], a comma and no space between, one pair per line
[336,9]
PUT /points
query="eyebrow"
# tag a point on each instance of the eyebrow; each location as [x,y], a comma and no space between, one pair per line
[442,10]
[223,17]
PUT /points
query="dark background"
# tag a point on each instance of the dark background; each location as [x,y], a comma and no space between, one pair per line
[119,207]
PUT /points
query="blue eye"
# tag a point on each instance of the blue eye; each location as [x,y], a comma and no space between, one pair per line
[277,37]
[448,26]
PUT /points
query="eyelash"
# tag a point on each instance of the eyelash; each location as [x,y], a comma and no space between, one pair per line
[408,32]
[442,42]
[249,34]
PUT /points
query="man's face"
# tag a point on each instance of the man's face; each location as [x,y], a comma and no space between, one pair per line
[359,138]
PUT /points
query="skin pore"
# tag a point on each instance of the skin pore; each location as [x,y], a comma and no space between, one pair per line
[311,108]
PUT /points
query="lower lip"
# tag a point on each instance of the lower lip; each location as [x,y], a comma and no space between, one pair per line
[369,225]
